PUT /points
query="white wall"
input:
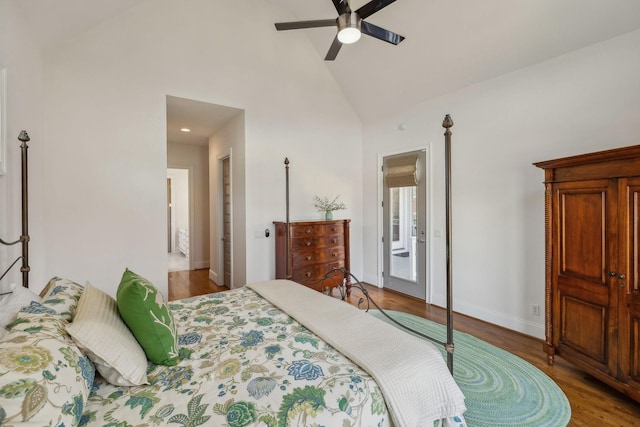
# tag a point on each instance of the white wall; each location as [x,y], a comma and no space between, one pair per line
[105,120]
[21,59]
[585,101]
[195,159]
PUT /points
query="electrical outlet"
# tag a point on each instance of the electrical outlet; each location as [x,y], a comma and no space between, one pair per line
[261,234]
[535,310]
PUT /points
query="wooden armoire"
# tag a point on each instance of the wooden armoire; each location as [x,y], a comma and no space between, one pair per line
[592,296]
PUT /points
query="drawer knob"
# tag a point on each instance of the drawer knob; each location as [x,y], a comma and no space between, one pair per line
[308,243]
[308,274]
[334,240]
[308,258]
[308,231]
[335,254]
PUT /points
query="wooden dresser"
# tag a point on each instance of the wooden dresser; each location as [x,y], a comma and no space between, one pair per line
[592,204]
[316,247]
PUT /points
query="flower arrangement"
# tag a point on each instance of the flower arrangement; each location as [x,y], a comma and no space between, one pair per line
[326,206]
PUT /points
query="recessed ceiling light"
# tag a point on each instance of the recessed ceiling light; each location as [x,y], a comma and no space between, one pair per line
[185,130]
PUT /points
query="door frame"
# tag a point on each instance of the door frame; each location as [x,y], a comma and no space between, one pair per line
[429,199]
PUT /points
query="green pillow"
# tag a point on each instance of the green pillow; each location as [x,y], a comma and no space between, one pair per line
[147,315]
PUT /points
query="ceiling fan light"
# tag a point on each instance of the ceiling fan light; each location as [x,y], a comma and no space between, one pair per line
[349,25]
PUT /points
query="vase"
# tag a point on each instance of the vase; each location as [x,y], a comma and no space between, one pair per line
[328,215]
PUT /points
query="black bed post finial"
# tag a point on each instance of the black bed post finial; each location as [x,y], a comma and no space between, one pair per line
[287,246]
[447,123]
[24,138]
[24,238]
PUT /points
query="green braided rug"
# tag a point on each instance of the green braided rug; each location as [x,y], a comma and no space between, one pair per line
[500,388]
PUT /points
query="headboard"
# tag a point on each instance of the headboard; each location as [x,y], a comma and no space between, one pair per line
[24,236]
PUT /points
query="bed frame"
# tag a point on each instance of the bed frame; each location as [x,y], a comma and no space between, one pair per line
[448,345]
[447,123]
[24,237]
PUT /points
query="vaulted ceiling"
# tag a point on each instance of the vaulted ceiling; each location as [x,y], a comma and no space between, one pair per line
[455,43]
[449,44]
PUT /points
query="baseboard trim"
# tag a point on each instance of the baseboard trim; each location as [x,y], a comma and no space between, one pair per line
[198,265]
[524,326]
[213,276]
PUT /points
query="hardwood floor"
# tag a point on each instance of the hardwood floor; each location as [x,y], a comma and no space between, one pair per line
[190,283]
[592,402]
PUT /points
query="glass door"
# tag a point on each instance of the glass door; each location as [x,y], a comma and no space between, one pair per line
[404,222]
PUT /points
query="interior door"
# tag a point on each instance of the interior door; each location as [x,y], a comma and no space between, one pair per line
[226,226]
[585,272]
[628,281]
[404,223]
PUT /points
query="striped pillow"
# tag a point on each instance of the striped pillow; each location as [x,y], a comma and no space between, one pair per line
[100,333]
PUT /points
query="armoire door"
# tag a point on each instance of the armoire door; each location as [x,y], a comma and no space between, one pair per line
[629,281]
[585,263]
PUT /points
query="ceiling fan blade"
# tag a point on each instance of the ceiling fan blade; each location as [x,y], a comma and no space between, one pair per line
[381,33]
[305,24]
[342,6]
[372,7]
[333,50]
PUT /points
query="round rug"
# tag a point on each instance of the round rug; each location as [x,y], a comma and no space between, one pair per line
[500,388]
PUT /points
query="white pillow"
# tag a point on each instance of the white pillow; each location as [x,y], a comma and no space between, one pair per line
[11,304]
[100,333]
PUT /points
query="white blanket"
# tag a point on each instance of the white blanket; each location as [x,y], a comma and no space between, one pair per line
[411,372]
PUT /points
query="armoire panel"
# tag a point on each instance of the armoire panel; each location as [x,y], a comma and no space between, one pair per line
[635,349]
[633,248]
[582,230]
[584,327]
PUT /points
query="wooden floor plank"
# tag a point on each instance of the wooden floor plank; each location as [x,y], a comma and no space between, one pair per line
[592,402]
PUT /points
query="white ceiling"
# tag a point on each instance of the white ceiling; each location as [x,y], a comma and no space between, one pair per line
[55,21]
[449,44]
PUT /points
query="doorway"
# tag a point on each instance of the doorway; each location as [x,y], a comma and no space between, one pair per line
[404,223]
[178,214]
[199,136]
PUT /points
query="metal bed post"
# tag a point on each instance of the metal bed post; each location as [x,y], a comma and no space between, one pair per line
[24,237]
[447,123]
[24,138]
[288,245]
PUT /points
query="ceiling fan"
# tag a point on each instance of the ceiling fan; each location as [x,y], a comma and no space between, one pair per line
[350,25]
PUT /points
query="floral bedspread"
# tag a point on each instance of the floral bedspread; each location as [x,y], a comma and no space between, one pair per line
[244,363]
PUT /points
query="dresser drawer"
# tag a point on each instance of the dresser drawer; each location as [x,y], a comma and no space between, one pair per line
[317,242]
[312,256]
[314,272]
[314,230]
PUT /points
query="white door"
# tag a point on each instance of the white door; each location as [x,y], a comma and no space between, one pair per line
[404,223]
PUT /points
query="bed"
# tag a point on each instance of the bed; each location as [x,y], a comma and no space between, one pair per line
[271,353]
